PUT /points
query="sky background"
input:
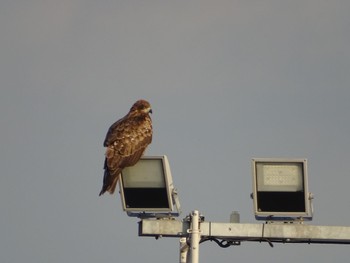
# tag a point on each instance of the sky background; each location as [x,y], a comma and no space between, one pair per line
[228,81]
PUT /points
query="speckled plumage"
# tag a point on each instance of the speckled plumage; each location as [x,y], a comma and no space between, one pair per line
[125,142]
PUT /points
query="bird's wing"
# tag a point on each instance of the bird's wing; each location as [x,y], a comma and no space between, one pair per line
[128,138]
[115,132]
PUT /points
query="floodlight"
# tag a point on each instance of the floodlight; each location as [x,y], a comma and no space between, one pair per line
[147,189]
[281,189]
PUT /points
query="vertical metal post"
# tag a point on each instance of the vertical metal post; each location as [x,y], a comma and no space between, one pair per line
[183,250]
[195,237]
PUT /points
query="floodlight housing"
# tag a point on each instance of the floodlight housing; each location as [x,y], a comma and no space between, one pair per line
[280,189]
[147,188]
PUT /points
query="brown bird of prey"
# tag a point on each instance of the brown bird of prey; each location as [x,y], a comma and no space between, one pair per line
[125,142]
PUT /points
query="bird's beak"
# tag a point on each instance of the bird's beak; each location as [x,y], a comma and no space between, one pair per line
[150,111]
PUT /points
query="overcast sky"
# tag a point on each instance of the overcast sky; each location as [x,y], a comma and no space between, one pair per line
[228,80]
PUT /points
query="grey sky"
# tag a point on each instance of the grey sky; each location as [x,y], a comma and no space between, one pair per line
[228,81]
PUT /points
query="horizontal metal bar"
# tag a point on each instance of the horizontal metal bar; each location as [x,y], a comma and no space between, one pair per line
[277,232]
[274,232]
[163,227]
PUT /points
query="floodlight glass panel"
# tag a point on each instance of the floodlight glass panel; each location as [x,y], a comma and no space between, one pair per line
[147,173]
[279,177]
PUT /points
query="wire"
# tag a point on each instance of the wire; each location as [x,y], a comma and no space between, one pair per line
[222,243]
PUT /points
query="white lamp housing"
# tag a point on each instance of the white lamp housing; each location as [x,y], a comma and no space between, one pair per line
[147,189]
[281,189]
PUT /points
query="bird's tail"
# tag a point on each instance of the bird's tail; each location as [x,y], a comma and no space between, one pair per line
[110,180]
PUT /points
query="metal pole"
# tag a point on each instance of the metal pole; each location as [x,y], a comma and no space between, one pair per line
[195,237]
[183,250]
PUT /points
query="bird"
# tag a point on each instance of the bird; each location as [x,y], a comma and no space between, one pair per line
[125,142]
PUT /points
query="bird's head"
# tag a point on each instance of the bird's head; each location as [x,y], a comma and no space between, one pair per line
[141,107]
